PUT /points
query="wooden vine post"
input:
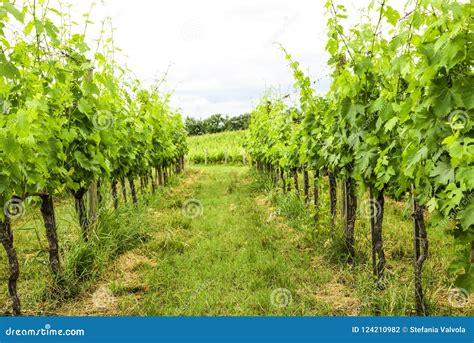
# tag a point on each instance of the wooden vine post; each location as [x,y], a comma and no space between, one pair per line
[93,202]
[377,204]
[350,209]
[306,185]
[6,238]
[420,242]
[47,212]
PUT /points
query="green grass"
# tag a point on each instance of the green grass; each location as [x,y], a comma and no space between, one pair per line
[81,262]
[216,145]
[398,297]
[250,243]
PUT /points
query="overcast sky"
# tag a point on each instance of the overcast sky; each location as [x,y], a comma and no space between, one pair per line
[221,54]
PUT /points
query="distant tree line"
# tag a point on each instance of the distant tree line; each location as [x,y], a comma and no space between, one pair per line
[216,123]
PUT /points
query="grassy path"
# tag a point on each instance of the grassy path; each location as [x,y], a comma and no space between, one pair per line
[237,257]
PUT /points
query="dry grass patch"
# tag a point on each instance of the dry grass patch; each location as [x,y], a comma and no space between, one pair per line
[337,296]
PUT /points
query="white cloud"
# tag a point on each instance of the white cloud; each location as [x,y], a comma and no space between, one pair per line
[222,53]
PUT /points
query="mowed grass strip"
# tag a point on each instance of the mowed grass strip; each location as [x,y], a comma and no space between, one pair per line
[244,248]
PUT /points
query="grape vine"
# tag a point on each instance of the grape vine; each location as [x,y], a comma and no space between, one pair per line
[72,121]
[397,120]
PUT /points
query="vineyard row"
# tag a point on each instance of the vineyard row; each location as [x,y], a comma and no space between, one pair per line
[397,121]
[73,121]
